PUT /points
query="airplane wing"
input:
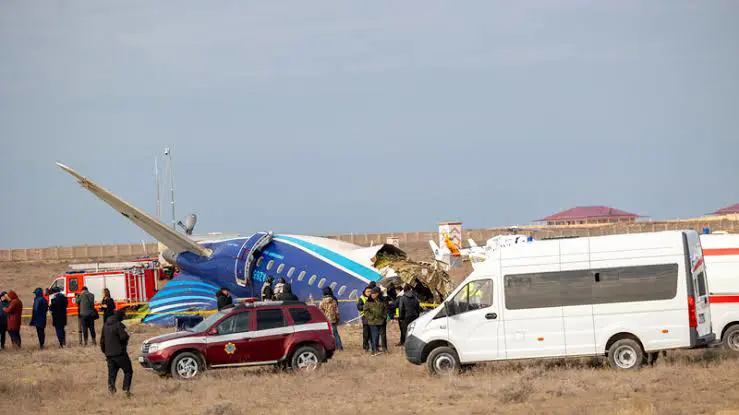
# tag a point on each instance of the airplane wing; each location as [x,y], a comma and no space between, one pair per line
[169,237]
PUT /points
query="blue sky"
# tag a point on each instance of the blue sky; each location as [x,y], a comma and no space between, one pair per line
[336,117]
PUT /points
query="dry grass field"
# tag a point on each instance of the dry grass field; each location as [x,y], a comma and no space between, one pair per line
[73,380]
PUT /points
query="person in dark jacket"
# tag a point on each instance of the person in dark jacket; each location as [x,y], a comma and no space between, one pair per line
[375,311]
[223,298]
[107,304]
[114,344]
[409,308]
[391,296]
[86,312]
[267,292]
[4,302]
[58,308]
[14,310]
[287,293]
[38,315]
[361,301]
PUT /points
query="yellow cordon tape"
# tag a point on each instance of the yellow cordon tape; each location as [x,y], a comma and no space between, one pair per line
[147,313]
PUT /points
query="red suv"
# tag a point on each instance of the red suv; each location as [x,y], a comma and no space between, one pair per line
[288,334]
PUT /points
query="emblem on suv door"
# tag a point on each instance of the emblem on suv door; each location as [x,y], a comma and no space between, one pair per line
[230,348]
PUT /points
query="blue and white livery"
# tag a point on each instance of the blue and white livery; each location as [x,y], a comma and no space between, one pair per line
[241,264]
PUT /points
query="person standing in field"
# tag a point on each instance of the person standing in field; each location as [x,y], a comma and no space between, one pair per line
[107,304]
[3,318]
[87,313]
[375,311]
[58,308]
[114,345]
[409,308]
[361,301]
[14,310]
[330,307]
[38,315]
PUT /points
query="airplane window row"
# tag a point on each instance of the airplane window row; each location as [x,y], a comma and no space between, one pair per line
[301,276]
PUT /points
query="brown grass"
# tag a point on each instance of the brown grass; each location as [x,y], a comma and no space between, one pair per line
[66,380]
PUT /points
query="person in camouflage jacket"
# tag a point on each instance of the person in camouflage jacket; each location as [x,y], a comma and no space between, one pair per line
[375,311]
[330,307]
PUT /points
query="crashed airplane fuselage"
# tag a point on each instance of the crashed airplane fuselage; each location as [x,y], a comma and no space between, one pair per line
[241,264]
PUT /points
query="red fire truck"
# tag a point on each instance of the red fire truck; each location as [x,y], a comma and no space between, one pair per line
[129,282]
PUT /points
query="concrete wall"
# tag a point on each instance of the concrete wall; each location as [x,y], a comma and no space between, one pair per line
[729,223]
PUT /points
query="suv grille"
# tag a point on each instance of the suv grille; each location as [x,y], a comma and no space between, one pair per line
[145,348]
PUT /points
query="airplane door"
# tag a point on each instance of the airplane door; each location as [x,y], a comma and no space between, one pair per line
[474,323]
[231,344]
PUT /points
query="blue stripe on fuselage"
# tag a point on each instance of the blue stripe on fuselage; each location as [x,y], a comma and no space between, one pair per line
[334,257]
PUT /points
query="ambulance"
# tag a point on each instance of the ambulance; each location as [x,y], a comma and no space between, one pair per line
[721,255]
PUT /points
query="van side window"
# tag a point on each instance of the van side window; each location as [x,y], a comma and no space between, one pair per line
[641,283]
[701,284]
[475,295]
[73,285]
[594,286]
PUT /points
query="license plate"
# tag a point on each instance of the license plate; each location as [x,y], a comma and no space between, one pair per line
[701,318]
[141,359]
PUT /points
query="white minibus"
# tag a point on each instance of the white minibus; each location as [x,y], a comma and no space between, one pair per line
[623,296]
[721,254]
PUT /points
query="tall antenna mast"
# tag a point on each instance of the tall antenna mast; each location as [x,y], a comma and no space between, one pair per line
[168,154]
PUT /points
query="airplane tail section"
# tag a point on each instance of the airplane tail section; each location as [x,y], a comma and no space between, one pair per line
[173,240]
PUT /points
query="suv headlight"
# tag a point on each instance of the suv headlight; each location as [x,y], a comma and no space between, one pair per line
[411,327]
[147,348]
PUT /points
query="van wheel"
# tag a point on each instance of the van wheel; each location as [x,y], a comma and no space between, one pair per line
[186,366]
[625,354]
[306,358]
[731,338]
[443,361]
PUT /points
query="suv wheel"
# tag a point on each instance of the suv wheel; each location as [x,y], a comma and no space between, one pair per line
[731,338]
[306,358]
[625,354]
[186,366]
[443,361]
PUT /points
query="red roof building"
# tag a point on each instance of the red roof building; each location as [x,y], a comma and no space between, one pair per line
[589,214]
[729,210]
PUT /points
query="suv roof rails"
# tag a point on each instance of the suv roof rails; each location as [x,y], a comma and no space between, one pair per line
[559,237]
[252,304]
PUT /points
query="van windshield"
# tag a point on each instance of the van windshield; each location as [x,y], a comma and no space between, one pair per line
[207,322]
